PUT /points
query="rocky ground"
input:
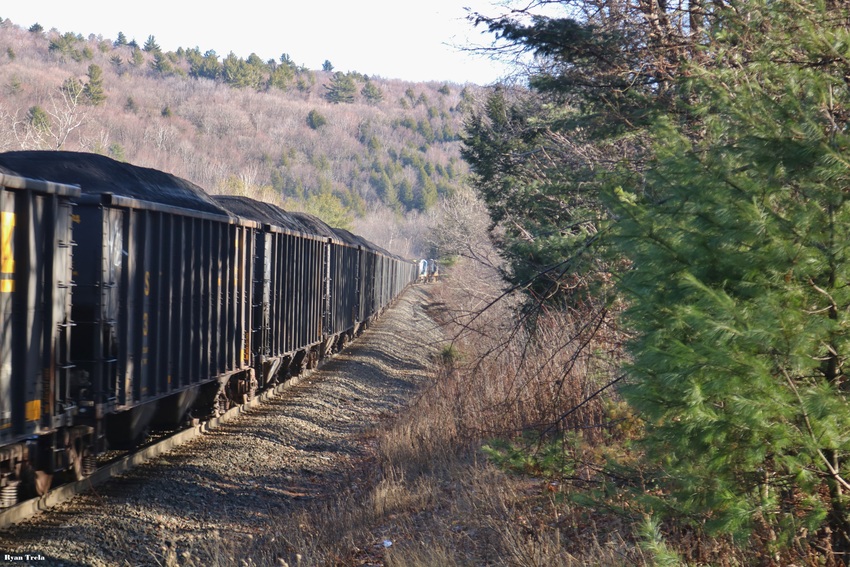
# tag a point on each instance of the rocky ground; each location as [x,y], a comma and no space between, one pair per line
[227,487]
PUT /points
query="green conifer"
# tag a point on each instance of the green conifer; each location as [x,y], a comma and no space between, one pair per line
[739,292]
[342,89]
[151,46]
[94,87]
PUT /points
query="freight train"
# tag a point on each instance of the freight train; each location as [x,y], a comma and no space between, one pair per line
[131,299]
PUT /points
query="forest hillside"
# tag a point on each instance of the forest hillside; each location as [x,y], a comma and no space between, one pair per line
[359,151]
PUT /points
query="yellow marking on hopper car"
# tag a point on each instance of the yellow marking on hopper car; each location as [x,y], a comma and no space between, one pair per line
[75,219]
[32,411]
[7,252]
[147,283]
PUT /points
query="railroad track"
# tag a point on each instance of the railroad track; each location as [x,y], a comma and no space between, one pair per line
[116,466]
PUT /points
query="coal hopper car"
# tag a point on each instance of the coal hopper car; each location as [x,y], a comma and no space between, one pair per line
[131,299]
[37,407]
[161,299]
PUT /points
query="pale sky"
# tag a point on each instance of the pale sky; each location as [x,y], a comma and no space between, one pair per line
[414,40]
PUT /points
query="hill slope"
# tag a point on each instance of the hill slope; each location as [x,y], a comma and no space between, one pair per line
[345,146]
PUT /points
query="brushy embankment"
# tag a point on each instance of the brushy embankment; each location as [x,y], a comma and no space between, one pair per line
[501,459]
[430,496]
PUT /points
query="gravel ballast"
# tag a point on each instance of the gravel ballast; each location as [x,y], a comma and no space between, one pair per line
[231,482]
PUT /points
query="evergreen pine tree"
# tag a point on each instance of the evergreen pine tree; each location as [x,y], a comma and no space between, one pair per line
[39,119]
[281,77]
[405,194]
[372,93]
[546,203]
[315,119]
[94,88]
[342,89]
[137,59]
[241,73]
[151,45]
[206,65]
[739,299]
[161,64]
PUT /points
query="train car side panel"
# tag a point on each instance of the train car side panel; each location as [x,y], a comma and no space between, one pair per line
[36,397]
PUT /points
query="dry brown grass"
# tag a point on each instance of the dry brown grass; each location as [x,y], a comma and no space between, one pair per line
[427,496]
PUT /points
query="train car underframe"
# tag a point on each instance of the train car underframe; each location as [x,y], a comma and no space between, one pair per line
[28,469]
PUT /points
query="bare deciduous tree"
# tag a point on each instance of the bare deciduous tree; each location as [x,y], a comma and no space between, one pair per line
[459,227]
[67,113]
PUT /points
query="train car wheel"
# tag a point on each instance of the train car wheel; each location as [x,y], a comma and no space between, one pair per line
[43,482]
[33,483]
[77,470]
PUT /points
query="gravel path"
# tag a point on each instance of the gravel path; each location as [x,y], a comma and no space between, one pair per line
[229,483]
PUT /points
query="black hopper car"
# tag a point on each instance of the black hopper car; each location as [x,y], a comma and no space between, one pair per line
[130,298]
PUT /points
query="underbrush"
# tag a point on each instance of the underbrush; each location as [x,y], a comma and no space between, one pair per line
[518,452]
[482,467]
[521,453]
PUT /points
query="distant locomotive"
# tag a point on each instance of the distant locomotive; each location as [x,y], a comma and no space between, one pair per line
[130,297]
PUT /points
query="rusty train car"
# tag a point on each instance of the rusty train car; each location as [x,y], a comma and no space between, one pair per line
[131,299]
